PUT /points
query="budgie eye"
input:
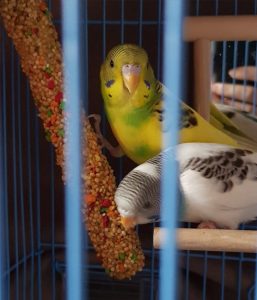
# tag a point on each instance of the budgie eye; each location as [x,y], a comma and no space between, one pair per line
[111,63]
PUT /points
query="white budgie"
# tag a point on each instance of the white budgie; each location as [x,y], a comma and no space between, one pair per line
[218,185]
[245,121]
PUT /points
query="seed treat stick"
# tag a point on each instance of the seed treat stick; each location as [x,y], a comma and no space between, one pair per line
[29,24]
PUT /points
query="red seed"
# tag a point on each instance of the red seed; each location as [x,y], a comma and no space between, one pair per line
[106,221]
[35,30]
[90,207]
[89,199]
[48,124]
[51,84]
[105,203]
[42,6]
[59,97]
[92,169]
[47,75]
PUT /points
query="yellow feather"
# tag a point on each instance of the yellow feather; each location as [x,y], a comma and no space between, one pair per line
[134,118]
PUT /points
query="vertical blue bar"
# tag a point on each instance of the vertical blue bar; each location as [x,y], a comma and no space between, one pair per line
[255,286]
[30,198]
[122,41]
[21,183]
[246,56]
[85,71]
[159,31]
[14,169]
[158,73]
[236,7]
[222,284]
[255,82]
[216,7]
[234,66]
[38,206]
[223,74]
[140,23]
[3,144]
[103,116]
[122,22]
[2,215]
[205,270]
[197,7]
[172,73]
[71,52]
[187,271]
[254,112]
[52,199]
[104,27]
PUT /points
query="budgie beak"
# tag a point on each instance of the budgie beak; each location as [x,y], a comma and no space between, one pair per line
[130,74]
[128,222]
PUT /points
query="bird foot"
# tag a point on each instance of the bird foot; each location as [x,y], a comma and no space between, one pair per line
[207,225]
[104,143]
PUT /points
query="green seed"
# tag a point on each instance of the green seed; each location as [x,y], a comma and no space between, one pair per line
[48,136]
[28,33]
[61,132]
[62,105]
[122,256]
[103,210]
[133,256]
[48,69]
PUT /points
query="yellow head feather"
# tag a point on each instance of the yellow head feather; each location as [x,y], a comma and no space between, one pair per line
[117,89]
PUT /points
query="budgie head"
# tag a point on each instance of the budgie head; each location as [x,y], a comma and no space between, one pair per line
[125,71]
[138,195]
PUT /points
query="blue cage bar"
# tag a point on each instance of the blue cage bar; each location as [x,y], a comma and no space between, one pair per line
[38,258]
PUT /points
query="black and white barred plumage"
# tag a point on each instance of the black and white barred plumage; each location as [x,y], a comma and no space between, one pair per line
[218,183]
[135,188]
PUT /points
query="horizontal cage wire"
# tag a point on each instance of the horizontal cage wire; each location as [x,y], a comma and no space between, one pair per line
[33,215]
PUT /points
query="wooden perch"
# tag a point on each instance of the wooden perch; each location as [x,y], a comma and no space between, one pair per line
[211,240]
[220,28]
[202,77]
[201,31]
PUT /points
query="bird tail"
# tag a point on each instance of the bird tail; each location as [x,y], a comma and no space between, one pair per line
[246,121]
[235,130]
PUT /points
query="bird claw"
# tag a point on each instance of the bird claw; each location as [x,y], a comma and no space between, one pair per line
[207,225]
[104,143]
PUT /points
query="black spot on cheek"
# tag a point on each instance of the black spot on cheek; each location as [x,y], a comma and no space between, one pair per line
[110,95]
[109,83]
[147,83]
[146,96]
[193,121]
